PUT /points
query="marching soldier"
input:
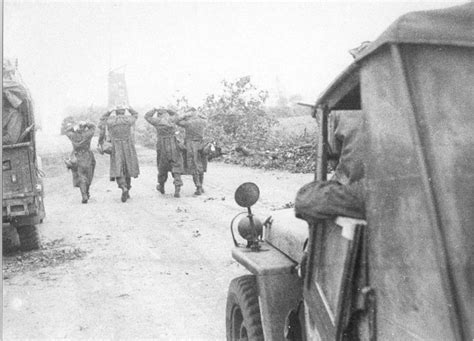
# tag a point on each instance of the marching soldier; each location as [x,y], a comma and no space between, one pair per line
[194,126]
[123,156]
[81,161]
[168,152]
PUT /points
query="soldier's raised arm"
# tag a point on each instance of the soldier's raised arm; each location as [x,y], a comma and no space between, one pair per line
[171,112]
[170,118]
[149,116]
[163,117]
[90,125]
[90,129]
[104,117]
[69,132]
[133,112]
[183,121]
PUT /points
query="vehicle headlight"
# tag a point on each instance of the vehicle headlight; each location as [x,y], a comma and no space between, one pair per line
[247,231]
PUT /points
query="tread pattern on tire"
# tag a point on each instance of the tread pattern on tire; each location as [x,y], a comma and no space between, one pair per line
[243,292]
[29,237]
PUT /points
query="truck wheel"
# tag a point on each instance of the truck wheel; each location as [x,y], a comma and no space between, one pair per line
[29,237]
[10,241]
[243,320]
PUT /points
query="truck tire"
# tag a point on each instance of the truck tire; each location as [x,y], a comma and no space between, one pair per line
[243,321]
[29,237]
[10,240]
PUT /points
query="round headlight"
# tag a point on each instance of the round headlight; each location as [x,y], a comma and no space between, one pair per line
[245,228]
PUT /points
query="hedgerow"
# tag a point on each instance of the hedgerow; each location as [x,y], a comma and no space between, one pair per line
[248,132]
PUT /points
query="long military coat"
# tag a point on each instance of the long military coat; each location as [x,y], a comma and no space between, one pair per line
[81,143]
[123,160]
[168,152]
[194,127]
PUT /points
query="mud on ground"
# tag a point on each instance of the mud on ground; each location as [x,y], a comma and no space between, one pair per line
[153,267]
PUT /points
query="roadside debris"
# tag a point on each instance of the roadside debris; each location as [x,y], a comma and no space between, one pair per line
[51,254]
[123,295]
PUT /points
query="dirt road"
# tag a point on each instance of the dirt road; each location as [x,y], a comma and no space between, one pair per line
[153,267]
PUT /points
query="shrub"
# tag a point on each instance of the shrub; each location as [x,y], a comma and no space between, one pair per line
[236,116]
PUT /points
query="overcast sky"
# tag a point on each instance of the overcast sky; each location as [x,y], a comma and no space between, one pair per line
[66,48]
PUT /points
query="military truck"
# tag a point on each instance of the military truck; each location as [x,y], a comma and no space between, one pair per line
[23,206]
[406,272]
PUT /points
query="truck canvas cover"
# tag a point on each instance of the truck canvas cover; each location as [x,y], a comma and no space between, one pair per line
[414,87]
[14,92]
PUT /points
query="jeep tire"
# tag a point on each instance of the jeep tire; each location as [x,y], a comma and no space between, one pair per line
[29,237]
[243,321]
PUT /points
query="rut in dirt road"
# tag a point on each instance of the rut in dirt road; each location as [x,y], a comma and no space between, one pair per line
[153,267]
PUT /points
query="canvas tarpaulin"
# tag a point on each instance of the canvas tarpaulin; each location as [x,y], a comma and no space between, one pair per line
[421,190]
[16,111]
[450,27]
[414,85]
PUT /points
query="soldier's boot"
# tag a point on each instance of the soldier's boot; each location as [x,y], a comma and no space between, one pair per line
[177,189]
[197,183]
[160,188]
[125,194]
[85,197]
[83,189]
[201,180]
[129,186]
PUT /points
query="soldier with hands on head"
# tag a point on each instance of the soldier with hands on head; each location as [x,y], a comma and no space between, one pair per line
[81,161]
[168,152]
[123,156]
[194,125]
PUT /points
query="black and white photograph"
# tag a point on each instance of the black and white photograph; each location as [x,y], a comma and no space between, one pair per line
[237,170]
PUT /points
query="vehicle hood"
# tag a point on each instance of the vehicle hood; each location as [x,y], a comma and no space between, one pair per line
[287,233]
